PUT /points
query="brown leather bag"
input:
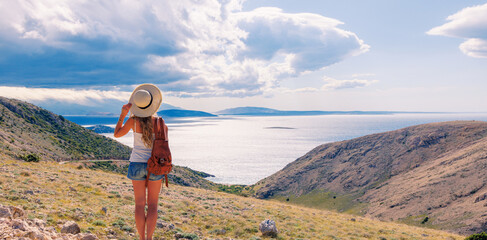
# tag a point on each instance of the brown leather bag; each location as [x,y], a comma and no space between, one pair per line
[160,162]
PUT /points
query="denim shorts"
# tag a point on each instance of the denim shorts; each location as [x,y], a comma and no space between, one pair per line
[138,171]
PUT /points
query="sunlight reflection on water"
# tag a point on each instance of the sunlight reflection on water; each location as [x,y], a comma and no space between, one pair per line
[243,150]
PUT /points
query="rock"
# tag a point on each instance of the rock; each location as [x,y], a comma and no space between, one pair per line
[16,212]
[353,220]
[219,231]
[70,227]
[30,192]
[5,212]
[38,223]
[110,231]
[178,235]
[109,236]
[165,225]
[104,209]
[19,224]
[36,235]
[481,198]
[268,228]
[87,236]
[160,224]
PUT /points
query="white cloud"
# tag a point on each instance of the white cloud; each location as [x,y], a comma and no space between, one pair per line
[358,75]
[314,40]
[83,97]
[192,48]
[299,90]
[475,47]
[334,84]
[469,23]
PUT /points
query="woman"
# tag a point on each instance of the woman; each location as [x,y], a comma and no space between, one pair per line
[144,103]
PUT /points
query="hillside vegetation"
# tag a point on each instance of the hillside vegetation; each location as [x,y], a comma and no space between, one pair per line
[429,175]
[102,203]
[31,133]
[27,129]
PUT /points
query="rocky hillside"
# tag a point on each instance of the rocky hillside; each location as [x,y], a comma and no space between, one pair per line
[27,129]
[431,174]
[69,202]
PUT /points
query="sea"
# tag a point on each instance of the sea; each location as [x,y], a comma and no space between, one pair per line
[246,149]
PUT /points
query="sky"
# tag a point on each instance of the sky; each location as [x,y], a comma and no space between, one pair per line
[87,56]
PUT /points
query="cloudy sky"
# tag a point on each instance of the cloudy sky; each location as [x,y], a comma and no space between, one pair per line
[215,54]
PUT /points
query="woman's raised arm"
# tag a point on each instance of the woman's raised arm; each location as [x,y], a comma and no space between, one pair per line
[120,130]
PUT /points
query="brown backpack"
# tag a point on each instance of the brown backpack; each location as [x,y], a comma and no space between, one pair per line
[160,161]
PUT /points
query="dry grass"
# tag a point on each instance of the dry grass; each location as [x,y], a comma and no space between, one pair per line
[57,193]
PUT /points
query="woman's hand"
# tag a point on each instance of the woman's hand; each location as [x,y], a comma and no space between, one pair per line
[119,130]
[126,108]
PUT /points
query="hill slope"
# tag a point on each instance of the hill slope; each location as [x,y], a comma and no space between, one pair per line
[58,193]
[26,129]
[433,170]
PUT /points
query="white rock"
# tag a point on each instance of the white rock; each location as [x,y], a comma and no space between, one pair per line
[87,236]
[268,228]
[19,224]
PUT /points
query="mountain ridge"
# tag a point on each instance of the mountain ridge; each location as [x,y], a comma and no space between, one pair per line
[177,113]
[356,175]
[261,111]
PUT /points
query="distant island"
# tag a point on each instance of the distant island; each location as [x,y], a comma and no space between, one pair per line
[101,129]
[177,113]
[260,111]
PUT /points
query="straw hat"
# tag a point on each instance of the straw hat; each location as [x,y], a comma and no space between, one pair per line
[146,100]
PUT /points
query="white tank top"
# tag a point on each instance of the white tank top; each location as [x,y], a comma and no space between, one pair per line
[140,153]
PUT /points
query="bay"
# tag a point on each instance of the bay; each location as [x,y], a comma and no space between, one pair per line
[244,150]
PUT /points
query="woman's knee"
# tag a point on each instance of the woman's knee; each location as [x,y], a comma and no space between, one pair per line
[140,203]
[152,207]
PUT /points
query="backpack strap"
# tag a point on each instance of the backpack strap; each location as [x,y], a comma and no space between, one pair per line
[159,128]
[164,126]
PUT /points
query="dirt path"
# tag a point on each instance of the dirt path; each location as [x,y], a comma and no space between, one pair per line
[92,160]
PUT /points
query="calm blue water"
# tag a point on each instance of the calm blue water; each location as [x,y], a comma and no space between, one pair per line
[243,150]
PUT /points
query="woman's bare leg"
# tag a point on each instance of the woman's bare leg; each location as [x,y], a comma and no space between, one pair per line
[139,192]
[153,190]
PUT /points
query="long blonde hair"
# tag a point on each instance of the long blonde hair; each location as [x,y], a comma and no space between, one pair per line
[147,129]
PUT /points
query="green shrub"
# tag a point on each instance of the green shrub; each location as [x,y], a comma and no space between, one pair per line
[32,157]
[127,228]
[99,223]
[188,236]
[477,236]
